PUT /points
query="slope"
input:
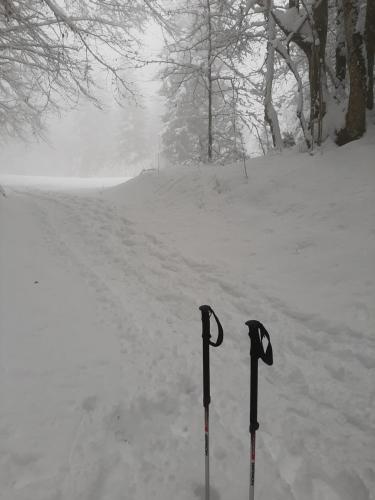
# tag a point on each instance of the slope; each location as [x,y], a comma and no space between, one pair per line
[100,331]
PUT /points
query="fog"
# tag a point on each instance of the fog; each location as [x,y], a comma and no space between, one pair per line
[117,139]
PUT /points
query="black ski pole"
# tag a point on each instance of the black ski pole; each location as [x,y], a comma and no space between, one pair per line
[257,333]
[206,335]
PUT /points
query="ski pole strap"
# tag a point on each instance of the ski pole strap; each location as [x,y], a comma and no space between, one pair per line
[206,335]
[257,333]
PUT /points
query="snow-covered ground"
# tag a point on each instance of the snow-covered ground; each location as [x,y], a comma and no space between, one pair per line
[100,335]
[61,183]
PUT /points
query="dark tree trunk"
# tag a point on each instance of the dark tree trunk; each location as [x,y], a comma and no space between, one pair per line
[370,79]
[340,50]
[294,3]
[314,81]
[209,78]
[370,49]
[317,68]
[270,114]
[355,124]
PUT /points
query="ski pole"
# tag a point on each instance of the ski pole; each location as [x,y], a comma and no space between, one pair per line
[206,335]
[257,333]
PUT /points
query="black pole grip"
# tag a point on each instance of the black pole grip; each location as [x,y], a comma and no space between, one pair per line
[257,333]
[206,336]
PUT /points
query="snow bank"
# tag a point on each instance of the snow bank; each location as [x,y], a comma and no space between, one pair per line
[300,228]
[101,337]
[293,246]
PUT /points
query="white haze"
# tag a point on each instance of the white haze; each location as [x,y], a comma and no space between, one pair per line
[88,141]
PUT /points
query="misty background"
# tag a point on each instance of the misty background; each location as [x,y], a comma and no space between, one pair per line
[120,138]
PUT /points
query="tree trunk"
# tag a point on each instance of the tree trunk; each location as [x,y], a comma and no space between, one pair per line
[270,114]
[317,68]
[209,78]
[370,49]
[294,3]
[340,51]
[314,81]
[355,124]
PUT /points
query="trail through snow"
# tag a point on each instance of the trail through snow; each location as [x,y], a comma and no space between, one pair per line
[101,354]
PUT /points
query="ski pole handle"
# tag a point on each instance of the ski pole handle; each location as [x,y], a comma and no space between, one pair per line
[206,313]
[257,333]
[206,336]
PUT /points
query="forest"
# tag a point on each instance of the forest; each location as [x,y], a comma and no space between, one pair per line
[176,176]
[286,73]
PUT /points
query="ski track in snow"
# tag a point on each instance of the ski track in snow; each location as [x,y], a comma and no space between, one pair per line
[143,439]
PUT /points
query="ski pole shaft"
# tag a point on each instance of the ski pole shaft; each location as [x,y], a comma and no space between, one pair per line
[206,453]
[252,465]
[206,335]
[257,333]
[206,395]
[254,425]
[253,420]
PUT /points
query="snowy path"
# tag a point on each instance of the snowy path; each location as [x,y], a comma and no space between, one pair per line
[101,368]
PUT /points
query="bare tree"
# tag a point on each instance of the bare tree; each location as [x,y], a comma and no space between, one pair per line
[49,49]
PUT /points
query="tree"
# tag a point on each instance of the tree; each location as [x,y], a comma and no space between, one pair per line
[184,135]
[302,28]
[49,50]
[370,51]
[269,110]
[340,51]
[355,19]
[308,30]
[201,68]
[132,135]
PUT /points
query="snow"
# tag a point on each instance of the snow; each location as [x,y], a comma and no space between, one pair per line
[100,331]
[294,22]
[61,183]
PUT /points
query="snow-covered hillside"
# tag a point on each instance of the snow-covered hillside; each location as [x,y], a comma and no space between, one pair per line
[101,392]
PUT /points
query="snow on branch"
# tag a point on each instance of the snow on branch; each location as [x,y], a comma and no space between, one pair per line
[49,49]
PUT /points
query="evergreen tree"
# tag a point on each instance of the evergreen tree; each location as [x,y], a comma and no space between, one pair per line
[201,86]
[131,136]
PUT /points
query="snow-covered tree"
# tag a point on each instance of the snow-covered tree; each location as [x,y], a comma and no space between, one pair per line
[336,63]
[132,141]
[202,84]
[49,49]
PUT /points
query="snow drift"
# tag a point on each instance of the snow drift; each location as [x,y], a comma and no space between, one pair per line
[101,337]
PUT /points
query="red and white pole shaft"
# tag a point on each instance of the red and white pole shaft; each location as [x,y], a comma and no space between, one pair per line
[206,453]
[252,466]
